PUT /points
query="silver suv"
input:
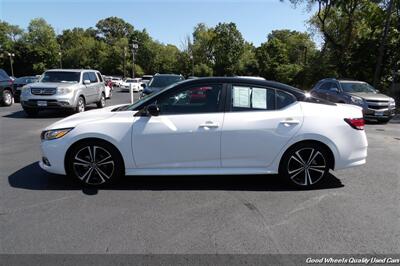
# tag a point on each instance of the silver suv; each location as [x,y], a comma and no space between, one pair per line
[69,89]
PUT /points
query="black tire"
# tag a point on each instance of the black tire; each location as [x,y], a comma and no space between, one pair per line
[305,165]
[102,102]
[105,168]
[8,98]
[31,112]
[81,105]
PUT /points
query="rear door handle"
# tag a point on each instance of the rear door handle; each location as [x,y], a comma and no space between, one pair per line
[209,124]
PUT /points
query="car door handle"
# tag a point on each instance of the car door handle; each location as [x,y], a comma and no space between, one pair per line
[290,121]
[209,124]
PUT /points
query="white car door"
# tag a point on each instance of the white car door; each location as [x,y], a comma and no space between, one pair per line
[259,124]
[185,134]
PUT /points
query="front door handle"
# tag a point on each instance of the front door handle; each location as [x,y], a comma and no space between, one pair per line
[290,121]
[209,124]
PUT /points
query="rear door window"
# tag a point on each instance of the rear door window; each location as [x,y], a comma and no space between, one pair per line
[246,98]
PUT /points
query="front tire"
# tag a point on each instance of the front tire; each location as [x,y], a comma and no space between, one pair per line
[94,163]
[7,99]
[305,165]
[81,105]
[31,112]
[102,102]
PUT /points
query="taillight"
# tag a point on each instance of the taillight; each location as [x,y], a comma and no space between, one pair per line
[356,123]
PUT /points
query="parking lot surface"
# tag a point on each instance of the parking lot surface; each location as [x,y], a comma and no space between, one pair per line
[356,211]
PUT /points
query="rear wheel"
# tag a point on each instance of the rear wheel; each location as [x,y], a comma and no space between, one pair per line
[95,163]
[304,165]
[7,99]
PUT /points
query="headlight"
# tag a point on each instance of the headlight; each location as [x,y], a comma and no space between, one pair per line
[25,89]
[54,133]
[357,100]
[392,103]
[64,90]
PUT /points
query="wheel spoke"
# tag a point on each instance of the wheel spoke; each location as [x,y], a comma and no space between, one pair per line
[99,170]
[100,175]
[82,164]
[293,176]
[318,170]
[298,158]
[293,171]
[87,174]
[81,160]
[102,160]
[90,154]
[313,157]
[107,162]
[308,176]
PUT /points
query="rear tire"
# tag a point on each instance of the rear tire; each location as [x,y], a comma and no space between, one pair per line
[94,163]
[7,99]
[305,165]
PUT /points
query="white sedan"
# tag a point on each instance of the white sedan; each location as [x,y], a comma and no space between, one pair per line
[209,126]
[135,84]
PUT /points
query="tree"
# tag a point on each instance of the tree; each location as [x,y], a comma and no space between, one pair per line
[113,28]
[228,46]
[42,45]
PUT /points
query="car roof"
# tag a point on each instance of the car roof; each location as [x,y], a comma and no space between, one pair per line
[71,70]
[248,81]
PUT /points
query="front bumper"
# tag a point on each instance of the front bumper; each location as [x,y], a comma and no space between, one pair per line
[54,151]
[50,104]
[378,113]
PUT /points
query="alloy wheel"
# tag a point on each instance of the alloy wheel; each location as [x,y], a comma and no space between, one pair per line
[7,98]
[81,105]
[94,165]
[306,166]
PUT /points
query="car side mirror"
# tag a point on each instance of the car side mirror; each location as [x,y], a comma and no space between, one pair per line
[335,90]
[86,82]
[143,85]
[153,110]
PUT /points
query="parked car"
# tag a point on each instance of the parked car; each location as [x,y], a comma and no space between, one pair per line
[160,82]
[6,89]
[70,89]
[134,83]
[108,89]
[146,79]
[116,82]
[20,82]
[240,126]
[375,105]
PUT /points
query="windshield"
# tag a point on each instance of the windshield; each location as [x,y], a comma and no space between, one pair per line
[357,87]
[55,76]
[163,81]
[3,75]
[131,81]
[25,80]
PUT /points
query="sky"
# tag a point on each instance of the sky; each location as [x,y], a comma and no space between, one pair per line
[167,21]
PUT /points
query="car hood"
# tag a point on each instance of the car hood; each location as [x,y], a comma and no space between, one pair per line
[85,117]
[371,96]
[50,84]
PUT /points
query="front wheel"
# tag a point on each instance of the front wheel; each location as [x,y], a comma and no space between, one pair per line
[81,105]
[95,163]
[102,102]
[304,165]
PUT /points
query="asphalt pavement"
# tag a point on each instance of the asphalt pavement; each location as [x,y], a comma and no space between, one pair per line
[356,211]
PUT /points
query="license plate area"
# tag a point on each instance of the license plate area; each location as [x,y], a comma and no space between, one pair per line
[41,103]
[379,113]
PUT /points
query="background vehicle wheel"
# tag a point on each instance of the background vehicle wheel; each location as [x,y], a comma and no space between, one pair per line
[30,112]
[81,106]
[304,165]
[102,102]
[7,99]
[95,163]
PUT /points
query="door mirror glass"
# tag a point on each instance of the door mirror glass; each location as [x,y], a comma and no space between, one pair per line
[153,110]
[86,82]
[334,89]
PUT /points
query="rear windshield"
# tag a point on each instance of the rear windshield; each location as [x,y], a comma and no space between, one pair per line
[61,76]
[163,81]
[4,75]
[25,80]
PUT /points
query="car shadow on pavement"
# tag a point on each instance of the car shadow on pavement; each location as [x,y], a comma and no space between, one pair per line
[34,178]
[45,113]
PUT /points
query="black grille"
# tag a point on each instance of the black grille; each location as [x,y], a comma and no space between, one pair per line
[43,91]
[377,105]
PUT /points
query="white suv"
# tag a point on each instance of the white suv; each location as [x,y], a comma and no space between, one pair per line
[64,89]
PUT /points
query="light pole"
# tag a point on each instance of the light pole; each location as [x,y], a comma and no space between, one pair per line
[11,55]
[124,61]
[60,54]
[135,46]
[192,59]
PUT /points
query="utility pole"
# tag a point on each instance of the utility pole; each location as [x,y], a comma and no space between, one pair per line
[11,55]
[192,59]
